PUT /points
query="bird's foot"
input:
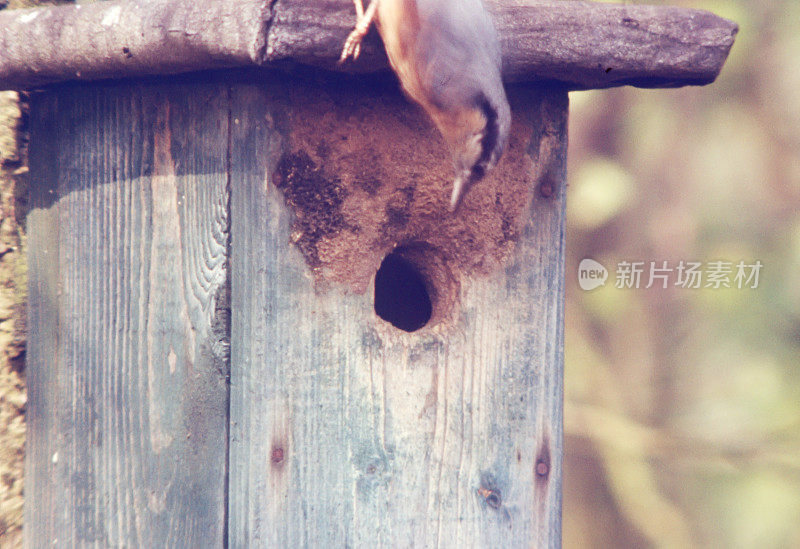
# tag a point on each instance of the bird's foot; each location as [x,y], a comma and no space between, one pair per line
[352,46]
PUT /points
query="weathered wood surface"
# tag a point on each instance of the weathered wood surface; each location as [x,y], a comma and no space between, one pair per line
[348,433]
[128,344]
[581,44]
[123,39]
[340,430]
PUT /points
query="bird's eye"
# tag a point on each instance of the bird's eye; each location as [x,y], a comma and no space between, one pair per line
[478,171]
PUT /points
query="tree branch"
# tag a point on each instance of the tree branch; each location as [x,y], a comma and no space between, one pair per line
[582,44]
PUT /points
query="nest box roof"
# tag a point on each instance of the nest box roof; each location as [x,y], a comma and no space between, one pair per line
[581,44]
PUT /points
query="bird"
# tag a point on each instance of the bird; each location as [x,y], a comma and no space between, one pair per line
[446,54]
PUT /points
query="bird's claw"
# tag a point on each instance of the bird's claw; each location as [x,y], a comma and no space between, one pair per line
[352,46]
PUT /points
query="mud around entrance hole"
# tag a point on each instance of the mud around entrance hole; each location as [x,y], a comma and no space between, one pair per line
[368,178]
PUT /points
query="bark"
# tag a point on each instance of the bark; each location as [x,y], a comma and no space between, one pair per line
[584,45]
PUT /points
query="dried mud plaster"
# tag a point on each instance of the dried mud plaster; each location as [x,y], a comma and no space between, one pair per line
[366,173]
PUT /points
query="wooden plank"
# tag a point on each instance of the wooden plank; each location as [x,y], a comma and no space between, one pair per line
[44,321]
[123,39]
[127,355]
[582,44]
[346,432]
[585,45]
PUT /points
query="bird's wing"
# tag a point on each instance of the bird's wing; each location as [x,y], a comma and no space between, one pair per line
[457,48]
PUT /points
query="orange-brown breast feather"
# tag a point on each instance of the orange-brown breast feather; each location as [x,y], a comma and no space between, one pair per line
[399,24]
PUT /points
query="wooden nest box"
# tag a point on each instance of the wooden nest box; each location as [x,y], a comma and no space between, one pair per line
[253,321]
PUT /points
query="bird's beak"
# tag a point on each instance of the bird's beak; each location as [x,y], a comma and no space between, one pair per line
[459,187]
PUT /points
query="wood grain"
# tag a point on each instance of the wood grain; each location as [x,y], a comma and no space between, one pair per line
[127,354]
[346,432]
[123,39]
[341,430]
[581,44]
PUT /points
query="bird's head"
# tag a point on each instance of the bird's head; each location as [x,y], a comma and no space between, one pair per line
[477,136]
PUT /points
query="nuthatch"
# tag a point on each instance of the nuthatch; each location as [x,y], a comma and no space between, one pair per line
[447,56]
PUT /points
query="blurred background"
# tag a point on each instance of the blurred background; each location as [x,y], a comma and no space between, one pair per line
[682,406]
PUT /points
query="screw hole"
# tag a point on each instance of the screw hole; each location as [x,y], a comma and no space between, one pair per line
[401,294]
